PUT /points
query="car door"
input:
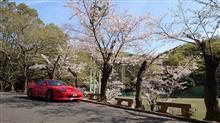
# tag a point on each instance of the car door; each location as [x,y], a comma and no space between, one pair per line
[37,88]
[43,87]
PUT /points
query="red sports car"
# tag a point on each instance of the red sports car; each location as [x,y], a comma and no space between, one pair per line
[53,90]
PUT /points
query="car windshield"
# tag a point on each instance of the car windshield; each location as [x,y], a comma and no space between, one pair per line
[39,82]
[56,83]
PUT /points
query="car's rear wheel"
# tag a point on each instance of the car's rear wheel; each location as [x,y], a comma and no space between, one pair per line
[29,93]
[49,95]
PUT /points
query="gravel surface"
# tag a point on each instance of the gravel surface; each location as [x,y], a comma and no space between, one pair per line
[15,108]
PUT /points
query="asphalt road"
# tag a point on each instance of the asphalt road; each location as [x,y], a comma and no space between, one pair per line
[15,108]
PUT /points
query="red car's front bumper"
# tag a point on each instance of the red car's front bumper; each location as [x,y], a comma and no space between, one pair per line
[67,96]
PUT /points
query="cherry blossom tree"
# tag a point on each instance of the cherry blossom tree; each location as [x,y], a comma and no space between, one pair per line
[199,26]
[164,80]
[144,67]
[62,65]
[114,86]
[107,31]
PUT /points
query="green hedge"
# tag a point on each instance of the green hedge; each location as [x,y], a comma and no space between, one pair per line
[194,92]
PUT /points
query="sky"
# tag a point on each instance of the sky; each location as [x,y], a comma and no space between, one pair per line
[54,11]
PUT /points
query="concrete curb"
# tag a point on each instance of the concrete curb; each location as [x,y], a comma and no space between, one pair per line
[149,112]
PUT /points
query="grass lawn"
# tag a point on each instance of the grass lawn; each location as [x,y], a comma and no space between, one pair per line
[198,107]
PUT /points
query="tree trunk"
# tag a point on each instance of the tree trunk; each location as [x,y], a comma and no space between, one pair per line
[138,98]
[12,88]
[211,90]
[26,77]
[75,76]
[106,72]
[76,82]
[51,73]
[152,107]
[1,84]
[25,84]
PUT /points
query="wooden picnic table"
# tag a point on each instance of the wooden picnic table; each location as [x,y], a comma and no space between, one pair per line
[93,96]
[120,100]
[184,107]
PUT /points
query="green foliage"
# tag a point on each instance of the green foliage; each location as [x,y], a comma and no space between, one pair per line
[189,80]
[189,50]
[23,9]
[215,45]
[84,58]
[193,92]
[174,59]
[192,50]
[179,54]
[23,38]
[127,74]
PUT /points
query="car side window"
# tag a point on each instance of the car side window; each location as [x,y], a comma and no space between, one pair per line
[40,82]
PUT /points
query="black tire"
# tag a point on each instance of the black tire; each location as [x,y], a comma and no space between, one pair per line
[49,95]
[29,93]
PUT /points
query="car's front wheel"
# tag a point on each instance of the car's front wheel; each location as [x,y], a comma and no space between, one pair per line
[49,95]
[29,93]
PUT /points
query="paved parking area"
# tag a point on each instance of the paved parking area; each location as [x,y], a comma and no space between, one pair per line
[15,108]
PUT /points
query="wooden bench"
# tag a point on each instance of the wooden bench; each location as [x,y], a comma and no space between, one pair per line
[120,100]
[184,107]
[94,96]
